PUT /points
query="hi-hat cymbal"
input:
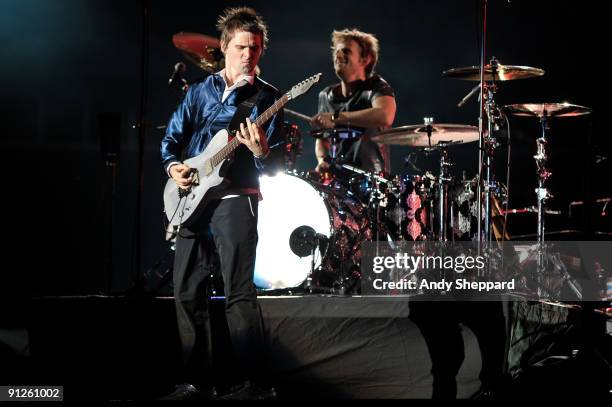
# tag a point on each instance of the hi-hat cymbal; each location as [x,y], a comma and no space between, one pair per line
[502,73]
[547,109]
[417,135]
[202,50]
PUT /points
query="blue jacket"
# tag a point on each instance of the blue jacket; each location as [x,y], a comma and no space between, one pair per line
[201,115]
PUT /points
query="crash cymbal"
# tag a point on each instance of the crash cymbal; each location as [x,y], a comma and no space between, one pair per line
[202,50]
[547,109]
[503,73]
[416,135]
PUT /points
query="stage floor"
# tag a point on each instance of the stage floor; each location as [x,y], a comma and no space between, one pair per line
[118,348]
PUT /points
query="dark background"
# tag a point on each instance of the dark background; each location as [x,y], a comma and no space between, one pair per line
[65,62]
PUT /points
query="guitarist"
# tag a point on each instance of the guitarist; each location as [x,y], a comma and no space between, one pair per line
[228,225]
[362,101]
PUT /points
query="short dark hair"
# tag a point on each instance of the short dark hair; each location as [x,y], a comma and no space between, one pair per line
[243,19]
[366,41]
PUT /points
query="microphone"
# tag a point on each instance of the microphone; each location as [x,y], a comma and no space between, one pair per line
[179,69]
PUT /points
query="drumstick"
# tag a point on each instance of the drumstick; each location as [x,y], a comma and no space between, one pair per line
[298,115]
[362,172]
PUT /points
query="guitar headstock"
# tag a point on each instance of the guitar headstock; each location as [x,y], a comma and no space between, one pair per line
[303,86]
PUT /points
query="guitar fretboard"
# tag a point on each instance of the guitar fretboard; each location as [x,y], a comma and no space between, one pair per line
[263,118]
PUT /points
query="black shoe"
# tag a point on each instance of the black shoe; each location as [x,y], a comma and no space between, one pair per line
[184,391]
[250,391]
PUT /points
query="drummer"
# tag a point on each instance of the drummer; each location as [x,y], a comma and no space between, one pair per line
[361,105]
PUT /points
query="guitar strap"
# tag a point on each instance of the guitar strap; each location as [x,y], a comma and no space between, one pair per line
[244,109]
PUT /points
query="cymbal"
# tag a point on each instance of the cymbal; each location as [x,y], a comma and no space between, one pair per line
[503,73]
[416,135]
[202,50]
[547,109]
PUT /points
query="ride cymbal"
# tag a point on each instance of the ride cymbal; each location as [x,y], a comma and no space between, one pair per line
[502,73]
[547,109]
[417,135]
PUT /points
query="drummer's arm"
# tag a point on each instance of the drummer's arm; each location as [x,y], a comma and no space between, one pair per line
[380,115]
[321,150]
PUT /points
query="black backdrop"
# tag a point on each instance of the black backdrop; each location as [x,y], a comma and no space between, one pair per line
[65,62]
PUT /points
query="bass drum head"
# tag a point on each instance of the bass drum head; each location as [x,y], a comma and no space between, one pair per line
[288,203]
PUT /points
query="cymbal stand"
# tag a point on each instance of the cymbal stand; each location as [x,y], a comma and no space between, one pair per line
[489,146]
[333,146]
[541,191]
[376,196]
[444,179]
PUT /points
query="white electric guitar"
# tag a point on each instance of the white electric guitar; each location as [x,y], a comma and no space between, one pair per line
[182,206]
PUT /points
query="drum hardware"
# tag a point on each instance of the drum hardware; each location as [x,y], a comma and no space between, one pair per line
[544,112]
[443,181]
[335,136]
[395,213]
[489,145]
[291,145]
[376,202]
[430,137]
[444,214]
[304,241]
[601,212]
[377,198]
[529,209]
[489,75]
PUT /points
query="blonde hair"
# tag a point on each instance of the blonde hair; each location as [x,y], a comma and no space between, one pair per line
[366,41]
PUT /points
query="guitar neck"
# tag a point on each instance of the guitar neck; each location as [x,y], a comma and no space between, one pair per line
[261,120]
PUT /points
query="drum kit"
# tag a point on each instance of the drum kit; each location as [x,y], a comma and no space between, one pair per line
[311,225]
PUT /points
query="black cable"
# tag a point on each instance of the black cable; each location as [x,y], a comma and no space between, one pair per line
[176,209]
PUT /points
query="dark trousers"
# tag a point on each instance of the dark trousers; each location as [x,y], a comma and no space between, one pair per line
[439,324]
[230,227]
